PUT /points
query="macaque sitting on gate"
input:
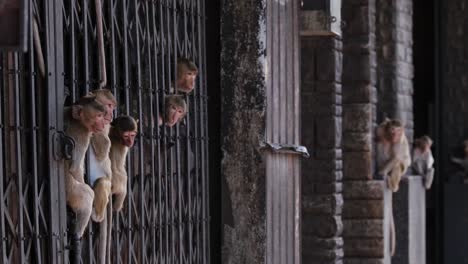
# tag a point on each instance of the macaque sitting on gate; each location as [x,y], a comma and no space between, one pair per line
[100,164]
[83,119]
[463,162]
[393,155]
[122,134]
[187,72]
[174,111]
[423,160]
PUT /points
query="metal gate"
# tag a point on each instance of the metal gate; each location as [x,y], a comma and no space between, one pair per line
[166,213]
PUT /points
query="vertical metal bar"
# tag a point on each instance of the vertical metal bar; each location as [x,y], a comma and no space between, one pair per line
[152,91]
[72,56]
[127,111]
[19,164]
[2,168]
[141,157]
[54,51]
[34,135]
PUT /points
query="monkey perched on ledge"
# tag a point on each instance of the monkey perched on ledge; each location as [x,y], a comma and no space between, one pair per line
[393,155]
[423,160]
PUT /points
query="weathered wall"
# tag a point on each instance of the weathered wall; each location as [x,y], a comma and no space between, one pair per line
[321,68]
[242,128]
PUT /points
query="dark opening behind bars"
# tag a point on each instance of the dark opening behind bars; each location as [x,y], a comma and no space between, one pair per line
[166,213]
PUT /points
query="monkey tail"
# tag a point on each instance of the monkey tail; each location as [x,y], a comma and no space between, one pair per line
[392,234]
[103,241]
[100,37]
[105,235]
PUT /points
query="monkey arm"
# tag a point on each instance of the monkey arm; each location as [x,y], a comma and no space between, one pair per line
[385,168]
[101,143]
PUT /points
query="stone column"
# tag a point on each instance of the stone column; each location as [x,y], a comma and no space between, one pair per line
[363,209]
[321,133]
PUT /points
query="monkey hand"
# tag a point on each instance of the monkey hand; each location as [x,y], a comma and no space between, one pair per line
[102,190]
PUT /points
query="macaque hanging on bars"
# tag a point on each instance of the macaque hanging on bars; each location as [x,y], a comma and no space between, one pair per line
[187,72]
[100,164]
[83,119]
[175,110]
[423,160]
[122,134]
[393,155]
[463,162]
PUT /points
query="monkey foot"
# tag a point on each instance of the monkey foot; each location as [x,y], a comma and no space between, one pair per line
[97,217]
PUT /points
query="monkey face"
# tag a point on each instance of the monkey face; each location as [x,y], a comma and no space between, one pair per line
[93,122]
[186,81]
[109,106]
[395,134]
[174,115]
[128,138]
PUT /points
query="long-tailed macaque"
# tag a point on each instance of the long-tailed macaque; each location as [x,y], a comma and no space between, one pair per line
[187,72]
[393,159]
[122,134]
[83,119]
[174,111]
[423,160]
[100,165]
[463,162]
[393,155]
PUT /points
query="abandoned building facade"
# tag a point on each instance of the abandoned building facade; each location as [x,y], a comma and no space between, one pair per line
[276,159]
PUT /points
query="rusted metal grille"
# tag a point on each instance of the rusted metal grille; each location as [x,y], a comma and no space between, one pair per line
[166,214]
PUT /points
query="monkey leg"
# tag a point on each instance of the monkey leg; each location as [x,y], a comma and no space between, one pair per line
[119,191]
[102,190]
[393,180]
[428,178]
[80,199]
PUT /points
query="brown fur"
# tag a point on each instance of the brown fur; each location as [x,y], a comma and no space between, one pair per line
[79,195]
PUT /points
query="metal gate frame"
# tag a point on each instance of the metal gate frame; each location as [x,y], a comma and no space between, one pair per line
[166,219]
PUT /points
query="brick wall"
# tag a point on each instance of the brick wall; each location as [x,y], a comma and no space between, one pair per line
[363,210]
[321,134]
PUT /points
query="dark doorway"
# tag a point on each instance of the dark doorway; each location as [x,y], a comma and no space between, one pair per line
[425,55]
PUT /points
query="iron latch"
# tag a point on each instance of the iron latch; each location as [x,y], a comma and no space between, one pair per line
[63,146]
[286,148]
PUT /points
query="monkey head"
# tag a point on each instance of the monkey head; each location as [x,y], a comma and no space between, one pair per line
[90,113]
[390,131]
[105,97]
[175,109]
[423,143]
[124,129]
[187,72]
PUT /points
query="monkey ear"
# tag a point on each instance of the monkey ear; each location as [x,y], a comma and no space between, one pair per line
[137,121]
[386,119]
[76,111]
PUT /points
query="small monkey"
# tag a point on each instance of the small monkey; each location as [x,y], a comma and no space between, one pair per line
[100,164]
[393,155]
[175,110]
[187,72]
[423,160]
[123,132]
[464,161]
[83,119]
